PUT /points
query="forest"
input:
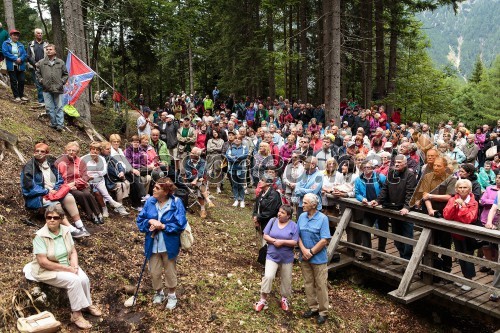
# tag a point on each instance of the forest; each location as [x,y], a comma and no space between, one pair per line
[371,51]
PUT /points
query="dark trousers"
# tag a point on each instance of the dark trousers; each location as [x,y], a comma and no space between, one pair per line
[369,220]
[404,229]
[87,202]
[137,189]
[17,83]
[468,269]
[39,89]
[442,239]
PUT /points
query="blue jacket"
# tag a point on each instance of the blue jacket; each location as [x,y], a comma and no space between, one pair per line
[236,156]
[310,184]
[32,182]
[193,172]
[175,222]
[360,185]
[10,58]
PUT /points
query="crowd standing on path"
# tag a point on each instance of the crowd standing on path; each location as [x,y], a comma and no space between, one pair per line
[297,161]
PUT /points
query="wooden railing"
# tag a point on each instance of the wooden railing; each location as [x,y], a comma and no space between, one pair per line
[423,250]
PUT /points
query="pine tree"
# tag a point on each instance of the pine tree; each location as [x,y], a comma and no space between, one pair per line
[478,71]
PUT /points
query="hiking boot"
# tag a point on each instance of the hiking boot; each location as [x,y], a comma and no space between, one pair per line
[284,304]
[171,302]
[310,314]
[260,305]
[159,298]
[78,233]
[121,210]
[321,320]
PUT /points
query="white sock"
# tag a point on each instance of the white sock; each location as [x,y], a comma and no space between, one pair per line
[72,229]
[172,295]
[105,210]
[79,224]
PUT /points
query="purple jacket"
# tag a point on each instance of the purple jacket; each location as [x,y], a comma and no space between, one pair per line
[487,200]
[137,158]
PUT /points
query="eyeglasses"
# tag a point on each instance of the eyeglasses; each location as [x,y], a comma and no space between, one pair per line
[40,151]
[53,217]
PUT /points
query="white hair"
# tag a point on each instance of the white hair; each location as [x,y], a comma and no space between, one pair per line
[313,198]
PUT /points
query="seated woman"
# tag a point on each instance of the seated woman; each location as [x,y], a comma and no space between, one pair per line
[115,179]
[96,171]
[491,225]
[463,208]
[74,173]
[138,159]
[39,179]
[281,235]
[328,182]
[162,220]
[56,264]
[133,176]
[490,251]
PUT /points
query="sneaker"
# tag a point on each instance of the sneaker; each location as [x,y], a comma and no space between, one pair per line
[235,204]
[78,233]
[284,304]
[158,298]
[85,231]
[25,99]
[218,191]
[171,303]
[242,204]
[17,99]
[121,210]
[246,191]
[105,213]
[260,305]
[466,287]
[137,209]
[494,298]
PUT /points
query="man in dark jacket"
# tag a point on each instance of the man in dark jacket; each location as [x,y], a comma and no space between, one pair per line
[52,74]
[168,128]
[267,204]
[396,194]
[36,52]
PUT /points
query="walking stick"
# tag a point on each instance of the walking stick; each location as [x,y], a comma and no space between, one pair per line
[131,301]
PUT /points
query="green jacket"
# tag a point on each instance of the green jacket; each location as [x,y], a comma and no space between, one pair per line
[161,151]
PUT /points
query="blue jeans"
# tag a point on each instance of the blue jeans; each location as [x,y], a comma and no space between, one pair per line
[404,229]
[39,89]
[54,105]
[238,182]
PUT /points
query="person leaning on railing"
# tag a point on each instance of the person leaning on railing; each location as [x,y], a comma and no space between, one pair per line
[490,250]
[463,208]
[490,224]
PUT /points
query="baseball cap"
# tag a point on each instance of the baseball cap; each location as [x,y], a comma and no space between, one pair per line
[171,116]
[350,144]
[14,31]
[388,145]
[345,123]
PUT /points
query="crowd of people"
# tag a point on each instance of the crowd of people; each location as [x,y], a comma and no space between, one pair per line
[297,162]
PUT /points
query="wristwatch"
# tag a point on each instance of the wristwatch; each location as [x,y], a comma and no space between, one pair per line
[311,252]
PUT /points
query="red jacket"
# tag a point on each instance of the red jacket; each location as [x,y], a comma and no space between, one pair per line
[275,152]
[467,214]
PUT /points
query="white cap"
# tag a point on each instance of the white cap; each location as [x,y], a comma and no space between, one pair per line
[171,116]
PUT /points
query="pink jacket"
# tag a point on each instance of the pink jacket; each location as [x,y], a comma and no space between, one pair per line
[487,200]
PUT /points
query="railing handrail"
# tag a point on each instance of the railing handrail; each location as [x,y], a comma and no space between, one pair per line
[426,221]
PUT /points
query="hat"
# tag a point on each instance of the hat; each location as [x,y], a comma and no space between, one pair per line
[14,31]
[350,144]
[171,116]
[388,145]
[267,180]
[234,115]
[197,119]
[345,123]
[186,118]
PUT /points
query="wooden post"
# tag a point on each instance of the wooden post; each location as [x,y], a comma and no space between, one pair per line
[334,242]
[418,252]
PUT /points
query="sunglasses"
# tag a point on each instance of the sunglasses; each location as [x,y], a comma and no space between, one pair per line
[53,217]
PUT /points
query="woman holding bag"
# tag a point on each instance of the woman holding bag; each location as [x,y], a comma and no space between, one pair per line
[163,219]
[281,235]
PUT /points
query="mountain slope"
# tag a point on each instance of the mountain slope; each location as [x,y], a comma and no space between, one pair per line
[459,39]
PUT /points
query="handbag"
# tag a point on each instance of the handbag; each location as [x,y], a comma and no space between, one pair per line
[43,322]
[60,194]
[491,152]
[187,238]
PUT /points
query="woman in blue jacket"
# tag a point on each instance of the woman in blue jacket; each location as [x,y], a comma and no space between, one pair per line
[15,60]
[367,188]
[162,219]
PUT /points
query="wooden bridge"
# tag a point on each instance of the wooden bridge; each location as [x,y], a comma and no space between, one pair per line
[414,277]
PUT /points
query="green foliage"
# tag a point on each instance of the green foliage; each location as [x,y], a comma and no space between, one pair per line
[26,19]
[477,73]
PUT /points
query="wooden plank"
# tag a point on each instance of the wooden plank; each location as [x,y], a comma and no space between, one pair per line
[463,256]
[334,242]
[413,294]
[386,234]
[416,257]
[344,261]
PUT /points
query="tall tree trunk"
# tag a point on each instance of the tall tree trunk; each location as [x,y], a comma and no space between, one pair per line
[334,110]
[379,46]
[366,7]
[39,7]
[123,54]
[270,52]
[290,53]
[304,73]
[57,28]
[9,14]
[327,53]
[393,48]
[285,44]
[191,70]
[75,34]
